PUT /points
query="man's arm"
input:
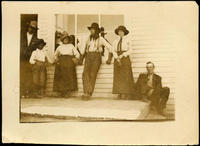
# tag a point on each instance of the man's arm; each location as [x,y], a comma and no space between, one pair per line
[109,47]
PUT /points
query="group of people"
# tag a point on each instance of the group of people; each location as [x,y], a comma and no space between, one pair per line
[147,88]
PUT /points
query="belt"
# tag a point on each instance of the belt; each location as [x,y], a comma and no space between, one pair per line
[97,51]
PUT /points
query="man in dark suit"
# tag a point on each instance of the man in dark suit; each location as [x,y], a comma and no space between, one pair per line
[149,87]
[27,46]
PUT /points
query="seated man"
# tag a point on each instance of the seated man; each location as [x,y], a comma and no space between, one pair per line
[149,87]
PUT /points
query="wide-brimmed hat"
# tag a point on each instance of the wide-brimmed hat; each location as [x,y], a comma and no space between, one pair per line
[64,37]
[40,41]
[95,26]
[102,31]
[123,28]
[33,24]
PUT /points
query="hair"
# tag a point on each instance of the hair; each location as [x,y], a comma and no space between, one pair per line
[150,63]
[95,36]
[66,37]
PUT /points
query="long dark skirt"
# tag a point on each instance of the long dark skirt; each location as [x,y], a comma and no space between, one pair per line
[65,78]
[123,81]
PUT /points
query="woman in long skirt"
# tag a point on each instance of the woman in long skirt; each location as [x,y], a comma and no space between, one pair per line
[123,81]
[65,79]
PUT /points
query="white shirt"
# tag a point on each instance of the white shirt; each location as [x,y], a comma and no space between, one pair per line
[66,49]
[96,45]
[38,55]
[29,37]
[150,80]
[124,47]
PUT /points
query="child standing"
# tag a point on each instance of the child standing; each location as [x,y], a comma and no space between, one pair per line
[65,79]
[38,59]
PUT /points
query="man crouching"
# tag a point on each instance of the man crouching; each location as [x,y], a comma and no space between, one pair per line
[149,88]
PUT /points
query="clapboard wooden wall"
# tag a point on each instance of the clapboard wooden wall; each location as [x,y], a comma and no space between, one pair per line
[152,40]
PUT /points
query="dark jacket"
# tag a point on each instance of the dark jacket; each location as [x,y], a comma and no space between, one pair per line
[141,84]
[25,49]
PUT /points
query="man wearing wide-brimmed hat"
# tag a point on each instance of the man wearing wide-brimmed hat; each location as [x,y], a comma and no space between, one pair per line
[123,81]
[93,50]
[27,46]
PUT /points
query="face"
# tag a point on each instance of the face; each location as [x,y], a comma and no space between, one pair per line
[92,31]
[66,41]
[41,46]
[31,30]
[150,68]
[120,33]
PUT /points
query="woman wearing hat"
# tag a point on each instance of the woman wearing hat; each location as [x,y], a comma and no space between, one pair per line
[65,79]
[93,51]
[123,81]
[38,59]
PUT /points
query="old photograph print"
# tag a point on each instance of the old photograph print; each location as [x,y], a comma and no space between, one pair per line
[96,67]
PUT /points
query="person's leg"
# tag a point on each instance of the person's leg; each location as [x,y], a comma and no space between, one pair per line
[35,72]
[29,80]
[164,95]
[86,75]
[94,70]
[42,79]
[22,79]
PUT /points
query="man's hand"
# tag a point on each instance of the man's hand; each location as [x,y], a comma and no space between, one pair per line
[150,92]
[108,62]
[121,56]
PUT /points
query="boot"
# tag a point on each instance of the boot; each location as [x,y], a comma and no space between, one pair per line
[110,55]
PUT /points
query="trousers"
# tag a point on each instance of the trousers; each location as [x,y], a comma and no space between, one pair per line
[91,68]
[39,75]
[160,101]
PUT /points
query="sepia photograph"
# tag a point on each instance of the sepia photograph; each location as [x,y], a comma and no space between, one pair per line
[98,67]
[93,63]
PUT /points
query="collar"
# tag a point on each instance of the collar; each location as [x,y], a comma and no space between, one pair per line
[29,34]
[38,50]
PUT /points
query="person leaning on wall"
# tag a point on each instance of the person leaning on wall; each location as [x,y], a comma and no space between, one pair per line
[93,56]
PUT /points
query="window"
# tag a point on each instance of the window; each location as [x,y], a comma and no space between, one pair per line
[78,25]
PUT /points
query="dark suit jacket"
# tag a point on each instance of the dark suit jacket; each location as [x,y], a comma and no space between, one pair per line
[141,84]
[25,49]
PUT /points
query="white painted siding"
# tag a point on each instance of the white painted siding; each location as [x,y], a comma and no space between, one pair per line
[152,40]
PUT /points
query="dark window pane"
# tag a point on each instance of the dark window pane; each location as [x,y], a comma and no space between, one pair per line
[110,23]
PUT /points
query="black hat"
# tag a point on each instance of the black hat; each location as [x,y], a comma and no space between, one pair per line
[123,28]
[102,31]
[40,41]
[95,26]
[64,36]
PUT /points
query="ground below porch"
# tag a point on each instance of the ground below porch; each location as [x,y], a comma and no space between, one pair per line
[54,109]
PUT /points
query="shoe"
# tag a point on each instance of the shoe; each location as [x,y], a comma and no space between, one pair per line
[85,97]
[118,97]
[123,96]
[162,112]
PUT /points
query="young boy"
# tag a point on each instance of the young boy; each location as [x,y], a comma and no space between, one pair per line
[38,60]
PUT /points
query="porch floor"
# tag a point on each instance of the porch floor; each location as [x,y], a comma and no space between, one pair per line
[50,109]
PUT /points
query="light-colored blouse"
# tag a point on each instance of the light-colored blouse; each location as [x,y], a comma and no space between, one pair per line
[38,55]
[66,49]
[124,47]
